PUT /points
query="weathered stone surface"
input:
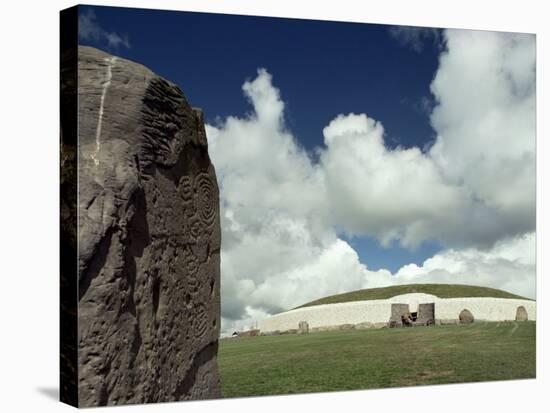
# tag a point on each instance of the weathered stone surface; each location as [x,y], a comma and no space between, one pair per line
[521,314]
[324,328]
[397,312]
[303,327]
[426,314]
[149,239]
[466,317]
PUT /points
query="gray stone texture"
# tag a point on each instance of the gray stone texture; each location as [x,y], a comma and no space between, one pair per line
[397,311]
[521,314]
[466,317]
[303,327]
[149,239]
[425,314]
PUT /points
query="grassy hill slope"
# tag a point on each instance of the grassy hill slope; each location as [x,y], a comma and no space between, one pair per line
[440,290]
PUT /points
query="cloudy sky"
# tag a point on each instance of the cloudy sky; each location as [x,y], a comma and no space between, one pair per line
[351,156]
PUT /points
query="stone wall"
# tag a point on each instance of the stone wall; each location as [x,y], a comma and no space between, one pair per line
[328,315]
[378,312]
[486,309]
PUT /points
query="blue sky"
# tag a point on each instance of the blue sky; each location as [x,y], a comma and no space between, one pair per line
[351,155]
[322,68]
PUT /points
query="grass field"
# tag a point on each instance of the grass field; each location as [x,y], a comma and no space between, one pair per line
[377,358]
[440,290]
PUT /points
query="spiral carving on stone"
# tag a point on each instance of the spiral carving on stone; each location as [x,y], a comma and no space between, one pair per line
[206,201]
[195,227]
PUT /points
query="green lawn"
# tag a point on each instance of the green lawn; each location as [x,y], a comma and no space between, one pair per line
[440,290]
[363,359]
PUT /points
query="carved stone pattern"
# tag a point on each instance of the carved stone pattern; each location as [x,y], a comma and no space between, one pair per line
[206,200]
[148,240]
[200,320]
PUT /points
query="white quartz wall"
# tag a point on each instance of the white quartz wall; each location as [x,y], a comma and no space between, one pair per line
[329,315]
[488,309]
[378,311]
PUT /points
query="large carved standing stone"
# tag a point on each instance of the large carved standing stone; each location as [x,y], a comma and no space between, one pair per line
[149,239]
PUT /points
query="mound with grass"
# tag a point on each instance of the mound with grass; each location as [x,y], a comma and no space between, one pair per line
[439,290]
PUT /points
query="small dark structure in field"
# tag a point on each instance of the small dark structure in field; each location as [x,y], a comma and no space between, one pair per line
[401,315]
[521,314]
[466,317]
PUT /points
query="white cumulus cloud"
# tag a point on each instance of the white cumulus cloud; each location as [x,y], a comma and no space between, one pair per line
[381,192]
[509,265]
[473,191]
[485,121]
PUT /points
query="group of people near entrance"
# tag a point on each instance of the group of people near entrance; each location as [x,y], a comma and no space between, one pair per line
[407,319]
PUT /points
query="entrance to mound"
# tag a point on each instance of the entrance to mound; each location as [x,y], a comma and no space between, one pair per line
[397,313]
[402,316]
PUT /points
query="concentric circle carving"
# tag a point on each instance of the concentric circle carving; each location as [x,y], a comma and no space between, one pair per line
[206,199]
[195,227]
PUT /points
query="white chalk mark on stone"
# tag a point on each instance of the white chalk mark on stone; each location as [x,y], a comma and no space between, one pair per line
[110,63]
